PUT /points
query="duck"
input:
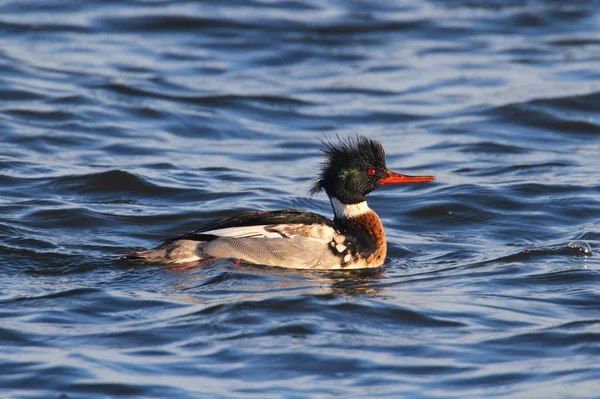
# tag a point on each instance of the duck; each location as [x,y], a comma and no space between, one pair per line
[355,239]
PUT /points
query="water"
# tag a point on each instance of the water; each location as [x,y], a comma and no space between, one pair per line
[123,123]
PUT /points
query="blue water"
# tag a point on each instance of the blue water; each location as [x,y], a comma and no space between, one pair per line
[124,123]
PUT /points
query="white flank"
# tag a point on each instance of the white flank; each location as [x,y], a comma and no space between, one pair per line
[349,211]
[189,259]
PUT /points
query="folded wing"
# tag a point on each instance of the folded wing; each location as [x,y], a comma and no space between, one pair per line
[288,238]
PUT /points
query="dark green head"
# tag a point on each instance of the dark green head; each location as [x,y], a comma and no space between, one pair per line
[354,167]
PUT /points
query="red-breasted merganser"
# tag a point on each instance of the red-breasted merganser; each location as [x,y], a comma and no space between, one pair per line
[354,239]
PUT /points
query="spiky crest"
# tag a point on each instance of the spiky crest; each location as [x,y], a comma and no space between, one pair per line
[354,152]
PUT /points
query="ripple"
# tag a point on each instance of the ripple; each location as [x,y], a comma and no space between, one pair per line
[554,114]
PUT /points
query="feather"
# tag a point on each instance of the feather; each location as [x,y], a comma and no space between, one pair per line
[255,224]
[355,151]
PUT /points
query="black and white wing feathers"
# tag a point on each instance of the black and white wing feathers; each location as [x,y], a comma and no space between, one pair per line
[265,224]
[288,238]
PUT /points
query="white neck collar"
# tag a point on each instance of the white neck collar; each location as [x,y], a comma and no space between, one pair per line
[342,211]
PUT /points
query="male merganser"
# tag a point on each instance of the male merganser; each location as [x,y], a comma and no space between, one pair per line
[354,239]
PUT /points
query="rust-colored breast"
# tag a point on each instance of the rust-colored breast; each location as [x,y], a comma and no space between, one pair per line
[371,222]
[369,236]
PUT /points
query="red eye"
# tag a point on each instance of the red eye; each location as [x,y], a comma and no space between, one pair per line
[371,172]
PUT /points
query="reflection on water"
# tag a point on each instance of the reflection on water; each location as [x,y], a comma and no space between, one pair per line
[231,279]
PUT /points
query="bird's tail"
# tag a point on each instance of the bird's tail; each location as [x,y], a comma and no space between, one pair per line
[176,251]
